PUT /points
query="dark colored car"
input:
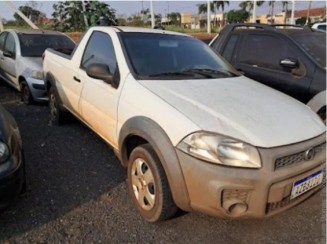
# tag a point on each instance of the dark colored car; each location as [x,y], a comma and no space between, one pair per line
[12,168]
[291,59]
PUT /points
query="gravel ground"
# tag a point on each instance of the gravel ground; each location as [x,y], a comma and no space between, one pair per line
[77,194]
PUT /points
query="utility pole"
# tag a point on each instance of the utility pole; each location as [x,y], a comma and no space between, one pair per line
[292,13]
[27,20]
[254,14]
[84,15]
[168,13]
[1,25]
[308,13]
[152,14]
[208,17]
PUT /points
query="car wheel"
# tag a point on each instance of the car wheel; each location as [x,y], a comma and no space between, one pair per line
[57,116]
[148,185]
[26,95]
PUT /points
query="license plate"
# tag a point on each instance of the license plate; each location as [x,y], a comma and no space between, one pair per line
[306,184]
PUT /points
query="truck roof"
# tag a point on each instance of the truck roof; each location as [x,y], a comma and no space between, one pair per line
[138,29]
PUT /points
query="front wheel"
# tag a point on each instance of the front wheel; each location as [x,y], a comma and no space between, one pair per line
[26,95]
[148,185]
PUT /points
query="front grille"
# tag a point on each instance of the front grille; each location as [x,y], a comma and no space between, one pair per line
[297,157]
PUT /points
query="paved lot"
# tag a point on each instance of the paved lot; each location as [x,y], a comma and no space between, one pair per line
[77,194]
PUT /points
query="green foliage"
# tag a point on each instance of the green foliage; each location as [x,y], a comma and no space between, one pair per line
[68,15]
[302,21]
[237,16]
[174,18]
[33,14]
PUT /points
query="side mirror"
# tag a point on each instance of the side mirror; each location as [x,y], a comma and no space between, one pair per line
[289,63]
[100,72]
[8,54]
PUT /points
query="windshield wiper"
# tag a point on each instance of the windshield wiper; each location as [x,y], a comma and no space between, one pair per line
[180,73]
[210,72]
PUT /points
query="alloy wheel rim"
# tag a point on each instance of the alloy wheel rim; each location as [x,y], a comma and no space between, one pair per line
[143,184]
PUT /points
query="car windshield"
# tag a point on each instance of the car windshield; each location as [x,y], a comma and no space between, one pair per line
[314,43]
[34,45]
[162,56]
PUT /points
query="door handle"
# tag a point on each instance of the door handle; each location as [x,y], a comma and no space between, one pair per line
[76,79]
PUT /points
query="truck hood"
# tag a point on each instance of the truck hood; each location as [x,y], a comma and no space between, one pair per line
[240,108]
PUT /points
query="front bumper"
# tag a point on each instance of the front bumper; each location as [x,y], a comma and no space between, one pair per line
[12,178]
[257,193]
[37,89]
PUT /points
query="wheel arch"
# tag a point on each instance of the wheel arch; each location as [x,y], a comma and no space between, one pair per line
[318,102]
[141,130]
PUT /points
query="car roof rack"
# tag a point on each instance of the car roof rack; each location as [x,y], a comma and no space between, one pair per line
[232,27]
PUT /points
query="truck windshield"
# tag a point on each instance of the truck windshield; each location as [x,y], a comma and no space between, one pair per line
[162,56]
[34,45]
[314,43]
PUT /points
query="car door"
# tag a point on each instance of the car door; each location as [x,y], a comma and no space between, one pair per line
[9,59]
[269,59]
[3,36]
[99,100]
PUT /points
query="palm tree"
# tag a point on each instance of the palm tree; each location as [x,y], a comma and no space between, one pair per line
[248,5]
[218,5]
[202,8]
[272,4]
[285,9]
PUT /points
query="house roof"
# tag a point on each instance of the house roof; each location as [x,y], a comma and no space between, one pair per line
[313,12]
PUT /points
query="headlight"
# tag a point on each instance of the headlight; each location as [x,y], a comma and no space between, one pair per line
[4,152]
[37,74]
[221,150]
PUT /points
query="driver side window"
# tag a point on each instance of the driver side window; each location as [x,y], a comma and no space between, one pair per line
[10,45]
[100,50]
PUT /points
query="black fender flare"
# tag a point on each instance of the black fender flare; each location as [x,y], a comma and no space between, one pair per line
[50,81]
[151,132]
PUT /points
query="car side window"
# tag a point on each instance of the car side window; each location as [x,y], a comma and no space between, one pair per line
[100,49]
[322,27]
[265,51]
[10,45]
[230,48]
[3,36]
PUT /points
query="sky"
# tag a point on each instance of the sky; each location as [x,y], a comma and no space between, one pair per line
[127,8]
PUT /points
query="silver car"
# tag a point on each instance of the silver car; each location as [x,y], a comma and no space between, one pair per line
[21,59]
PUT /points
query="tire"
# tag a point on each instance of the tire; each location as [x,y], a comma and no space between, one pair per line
[322,114]
[57,116]
[148,185]
[25,92]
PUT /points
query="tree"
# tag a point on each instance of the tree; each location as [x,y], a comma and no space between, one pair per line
[202,8]
[174,18]
[285,9]
[272,5]
[237,16]
[68,15]
[221,4]
[33,14]
[248,5]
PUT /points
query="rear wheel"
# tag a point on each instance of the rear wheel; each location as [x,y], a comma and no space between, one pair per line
[26,95]
[148,185]
[57,116]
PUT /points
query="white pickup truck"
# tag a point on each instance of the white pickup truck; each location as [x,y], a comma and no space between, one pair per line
[193,133]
